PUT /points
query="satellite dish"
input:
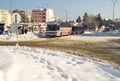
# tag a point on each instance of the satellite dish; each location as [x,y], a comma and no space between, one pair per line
[16,18]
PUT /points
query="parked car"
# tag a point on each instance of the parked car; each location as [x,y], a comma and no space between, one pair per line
[1,28]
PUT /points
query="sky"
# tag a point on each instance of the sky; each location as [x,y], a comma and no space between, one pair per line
[75,8]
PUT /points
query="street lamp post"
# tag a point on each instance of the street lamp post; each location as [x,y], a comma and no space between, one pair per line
[66,11]
[114,2]
[11,15]
[66,15]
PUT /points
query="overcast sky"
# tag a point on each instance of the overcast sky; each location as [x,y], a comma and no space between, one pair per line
[75,8]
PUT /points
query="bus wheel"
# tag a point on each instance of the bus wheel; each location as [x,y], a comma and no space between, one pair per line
[60,34]
[69,33]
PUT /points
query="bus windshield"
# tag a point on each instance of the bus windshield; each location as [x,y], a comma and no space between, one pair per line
[53,27]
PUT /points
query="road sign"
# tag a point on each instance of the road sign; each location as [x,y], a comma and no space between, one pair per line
[16,18]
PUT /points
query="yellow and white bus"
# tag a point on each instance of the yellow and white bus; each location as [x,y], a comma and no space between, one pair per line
[55,29]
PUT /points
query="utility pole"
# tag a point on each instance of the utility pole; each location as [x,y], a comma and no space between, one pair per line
[114,3]
[66,12]
[11,16]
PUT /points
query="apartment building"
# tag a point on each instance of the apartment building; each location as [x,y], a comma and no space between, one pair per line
[42,15]
[5,17]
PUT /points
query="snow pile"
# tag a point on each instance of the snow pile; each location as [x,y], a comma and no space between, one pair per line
[2,76]
[87,33]
[100,33]
[32,64]
[110,33]
[13,37]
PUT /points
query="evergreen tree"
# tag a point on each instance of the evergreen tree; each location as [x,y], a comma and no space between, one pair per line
[99,17]
[107,23]
[99,20]
[85,17]
[78,19]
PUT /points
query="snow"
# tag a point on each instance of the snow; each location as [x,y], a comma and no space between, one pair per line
[111,33]
[90,36]
[33,64]
[21,37]
[100,33]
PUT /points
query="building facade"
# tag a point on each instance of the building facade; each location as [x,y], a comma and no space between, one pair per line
[5,17]
[25,15]
[42,15]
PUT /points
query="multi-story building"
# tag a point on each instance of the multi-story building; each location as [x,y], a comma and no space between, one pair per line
[5,17]
[42,15]
[1,15]
[25,15]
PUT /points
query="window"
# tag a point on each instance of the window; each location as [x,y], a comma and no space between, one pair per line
[43,13]
[44,17]
[35,17]
[44,20]
[53,27]
[35,13]
[35,20]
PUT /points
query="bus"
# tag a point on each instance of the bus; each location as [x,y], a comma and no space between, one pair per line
[54,29]
[78,29]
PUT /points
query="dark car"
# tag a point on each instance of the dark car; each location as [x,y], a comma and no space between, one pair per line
[1,28]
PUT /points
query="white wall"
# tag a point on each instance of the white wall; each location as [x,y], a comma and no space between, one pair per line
[5,16]
[50,15]
[1,15]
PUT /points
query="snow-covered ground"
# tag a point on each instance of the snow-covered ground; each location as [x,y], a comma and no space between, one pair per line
[86,36]
[100,33]
[13,37]
[89,36]
[111,33]
[32,64]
